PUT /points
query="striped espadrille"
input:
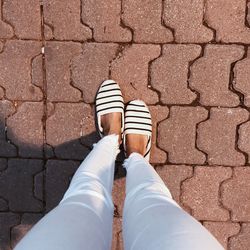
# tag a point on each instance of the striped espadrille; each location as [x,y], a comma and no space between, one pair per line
[109,100]
[138,121]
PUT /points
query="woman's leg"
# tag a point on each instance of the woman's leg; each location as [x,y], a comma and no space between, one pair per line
[152,219]
[83,219]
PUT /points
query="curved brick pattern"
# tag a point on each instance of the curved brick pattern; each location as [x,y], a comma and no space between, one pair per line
[58,176]
[222,230]
[158,113]
[217,136]
[242,76]
[228,19]
[186,17]
[201,193]
[177,135]
[244,142]
[210,75]
[7,221]
[18,232]
[6,148]
[144,17]
[169,73]
[236,194]
[58,57]
[173,176]
[64,17]
[104,17]
[15,70]
[130,70]
[16,185]
[92,67]
[24,16]
[25,129]
[6,30]
[242,240]
[67,124]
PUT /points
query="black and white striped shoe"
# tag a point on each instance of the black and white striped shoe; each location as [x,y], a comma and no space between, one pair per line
[109,100]
[138,121]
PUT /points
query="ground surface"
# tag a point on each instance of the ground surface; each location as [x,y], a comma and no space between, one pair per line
[189,61]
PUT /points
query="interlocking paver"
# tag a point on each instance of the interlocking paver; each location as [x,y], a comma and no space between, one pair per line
[66,139]
[131,70]
[186,18]
[37,77]
[201,193]
[222,230]
[7,221]
[242,76]
[91,67]
[24,16]
[104,17]
[65,19]
[6,31]
[244,142]
[58,176]
[25,129]
[145,18]
[117,240]
[15,70]
[210,75]
[27,221]
[7,149]
[177,134]
[169,73]
[236,194]
[58,57]
[173,176]
[20,193]
[242,240]
[217,136]
[228,19]
[119,195]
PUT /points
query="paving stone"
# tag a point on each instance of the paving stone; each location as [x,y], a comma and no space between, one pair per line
[105,19]
[15,70]
[16,185]
[25,129]
[222,230]
[7,149]
[58,57]
[201,193]
[242,240]
[7,221]
[131,68]
[117,240]
[169,73]
[3,164]
[145,18]
[210,75]
[37,71]
[6,30]
[241,77]
[24,16]
[58,176]
[236,194]
[173,176]
[177,135]
[91,68]
[1,93]
[186,18]
[119,194]
[217,136]
[158,114]
[66,125]
[4,205]
[19,231]
[65,19]
[244,143]
[228,19]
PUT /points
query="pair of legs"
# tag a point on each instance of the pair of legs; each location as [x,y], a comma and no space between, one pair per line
[151,219]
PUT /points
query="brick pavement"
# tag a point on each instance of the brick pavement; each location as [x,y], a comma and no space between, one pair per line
[189,60]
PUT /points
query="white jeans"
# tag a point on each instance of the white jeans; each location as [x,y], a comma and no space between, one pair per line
[83,219]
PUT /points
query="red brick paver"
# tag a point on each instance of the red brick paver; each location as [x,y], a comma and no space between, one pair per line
[187,59]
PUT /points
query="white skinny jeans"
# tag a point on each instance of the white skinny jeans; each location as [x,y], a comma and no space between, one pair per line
[83,219]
